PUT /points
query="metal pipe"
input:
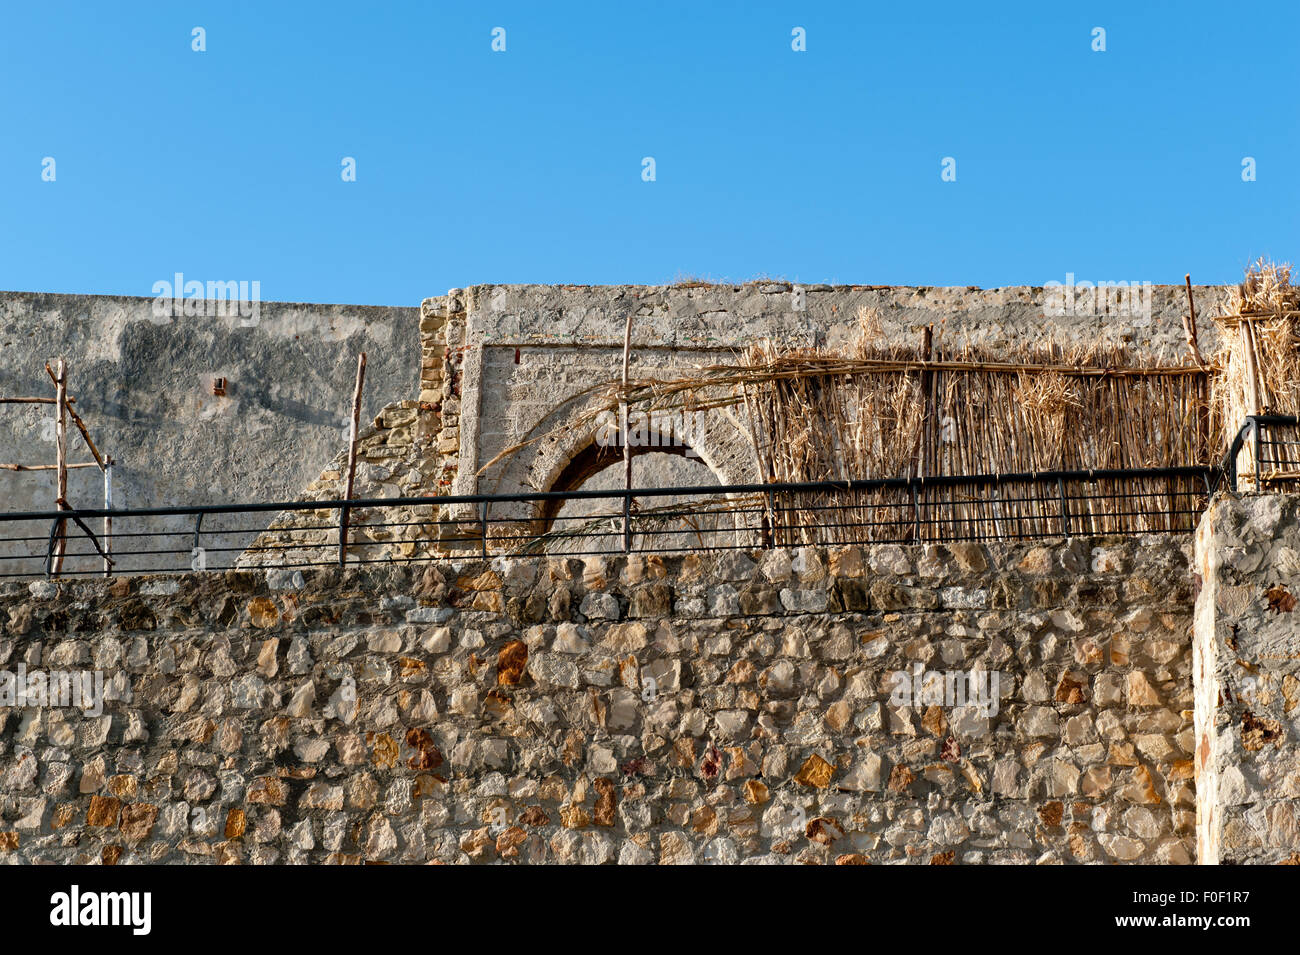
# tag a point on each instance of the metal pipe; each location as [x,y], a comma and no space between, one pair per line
[1065,510]
[874,484]
[108,519]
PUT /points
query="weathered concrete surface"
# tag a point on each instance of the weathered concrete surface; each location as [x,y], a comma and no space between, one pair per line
[521,367]
[687,317]
[708,708]
[143,384]
[522,360]
[1247,665]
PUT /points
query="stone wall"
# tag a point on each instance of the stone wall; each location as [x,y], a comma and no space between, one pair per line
[713,707]
[1247,659]
[395,458]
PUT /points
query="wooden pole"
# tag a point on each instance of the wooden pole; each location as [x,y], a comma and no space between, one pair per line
[1252,381]
[46,467]
[921,461]
[81,425]
[627,445]
[352,456]
[1189,324]
[768,520]
[61,460]
[1203,386]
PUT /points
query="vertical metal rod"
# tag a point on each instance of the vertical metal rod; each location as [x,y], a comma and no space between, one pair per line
[627,521]
[61,454]
[627,444]
[776,524]
[1230,464]
[1065,510]
[49,549]
[1189,324]
[1259,448]
[765,526]
[108,520]
[916,515]
[484,525]
[1253,406]
[345,512]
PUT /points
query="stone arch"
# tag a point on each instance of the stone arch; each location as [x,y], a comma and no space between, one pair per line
[589,462]
[572,450]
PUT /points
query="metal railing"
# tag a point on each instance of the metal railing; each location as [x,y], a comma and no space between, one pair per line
[659,520]
[322,533]
[1272,445]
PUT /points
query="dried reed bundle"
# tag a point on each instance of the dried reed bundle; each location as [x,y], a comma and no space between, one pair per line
[893,414]
[884,410]
[1266,290]
[873,408]
[1260,359]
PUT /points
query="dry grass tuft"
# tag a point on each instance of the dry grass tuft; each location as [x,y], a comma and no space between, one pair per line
[1260,357]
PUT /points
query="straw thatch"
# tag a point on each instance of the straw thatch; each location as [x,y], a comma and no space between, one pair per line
[895,411]
[872,409]
[1261,361]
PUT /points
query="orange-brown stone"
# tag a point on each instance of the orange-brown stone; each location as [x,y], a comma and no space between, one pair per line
[508,842]
[900,777]
[267,791]
[823,830]
[755,792]
[511,662]
[535,816]
[815,772]
[262,613]
[103,811]
[427,755]
[1051,813]
[605,802]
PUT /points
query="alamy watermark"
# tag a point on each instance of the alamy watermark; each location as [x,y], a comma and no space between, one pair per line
[1131,299]
[179,298]
[921,687]
[76,908]
[83,689]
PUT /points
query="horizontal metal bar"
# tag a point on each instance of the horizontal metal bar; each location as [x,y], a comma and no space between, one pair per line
[1013,506]
[868,484]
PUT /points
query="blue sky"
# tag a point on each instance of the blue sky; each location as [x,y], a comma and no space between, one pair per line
[526,165]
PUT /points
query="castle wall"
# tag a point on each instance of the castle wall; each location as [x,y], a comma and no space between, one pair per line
[1247,659]
[143,383]
[714,707]
[523,361]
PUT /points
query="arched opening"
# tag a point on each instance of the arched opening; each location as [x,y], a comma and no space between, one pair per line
[607,460]
[577,451]
[587,525]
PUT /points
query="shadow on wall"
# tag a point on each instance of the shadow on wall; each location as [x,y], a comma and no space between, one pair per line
[595,525]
